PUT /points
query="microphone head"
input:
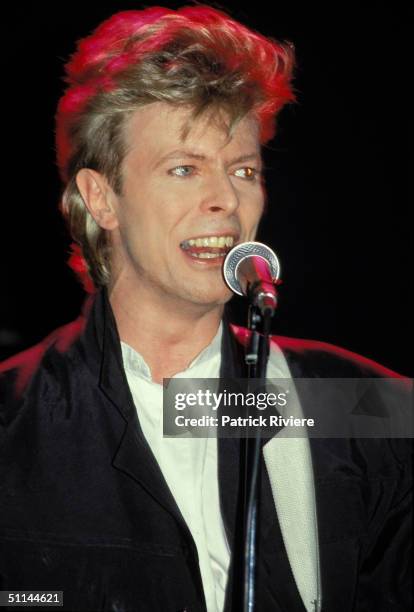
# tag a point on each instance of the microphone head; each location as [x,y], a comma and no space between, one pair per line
[240,252]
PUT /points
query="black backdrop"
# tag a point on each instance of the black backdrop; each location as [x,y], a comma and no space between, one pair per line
[339,173]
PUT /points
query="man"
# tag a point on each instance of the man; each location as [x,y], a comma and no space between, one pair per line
[158,142]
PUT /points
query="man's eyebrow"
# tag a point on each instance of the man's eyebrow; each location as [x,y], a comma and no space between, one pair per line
[180,153]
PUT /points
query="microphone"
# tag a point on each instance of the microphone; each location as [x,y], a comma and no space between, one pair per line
[252,269]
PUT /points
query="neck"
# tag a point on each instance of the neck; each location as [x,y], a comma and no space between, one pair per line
[169,335]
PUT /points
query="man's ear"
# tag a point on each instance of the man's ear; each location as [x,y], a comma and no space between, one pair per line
[98,197]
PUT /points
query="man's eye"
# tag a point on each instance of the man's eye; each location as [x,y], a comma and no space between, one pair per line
[182,171]
[248,173]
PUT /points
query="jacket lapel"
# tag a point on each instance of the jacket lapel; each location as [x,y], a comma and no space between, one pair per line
[289,469]
[134,456]
[289,466]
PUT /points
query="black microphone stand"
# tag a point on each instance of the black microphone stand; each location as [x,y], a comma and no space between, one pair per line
[256,358]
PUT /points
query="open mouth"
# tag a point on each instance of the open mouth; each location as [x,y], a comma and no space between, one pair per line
[208,247]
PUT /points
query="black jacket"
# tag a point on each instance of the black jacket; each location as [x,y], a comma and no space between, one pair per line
[85,509]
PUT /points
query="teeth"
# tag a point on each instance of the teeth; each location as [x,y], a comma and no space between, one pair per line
[213,241]
[207,255]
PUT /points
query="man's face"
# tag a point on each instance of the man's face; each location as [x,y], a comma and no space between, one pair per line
[184,204]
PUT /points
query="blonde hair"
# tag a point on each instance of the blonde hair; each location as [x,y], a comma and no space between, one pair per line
[196,57]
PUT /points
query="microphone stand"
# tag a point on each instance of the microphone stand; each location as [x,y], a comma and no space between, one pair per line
[256,360]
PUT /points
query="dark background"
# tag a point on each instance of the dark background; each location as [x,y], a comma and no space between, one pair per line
[339,173]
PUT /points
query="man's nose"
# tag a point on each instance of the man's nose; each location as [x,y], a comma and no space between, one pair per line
[221,195]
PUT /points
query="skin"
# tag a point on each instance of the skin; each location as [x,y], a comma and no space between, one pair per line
[169,197]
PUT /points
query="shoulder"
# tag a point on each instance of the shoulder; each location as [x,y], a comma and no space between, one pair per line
[33,373]
[331,360]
